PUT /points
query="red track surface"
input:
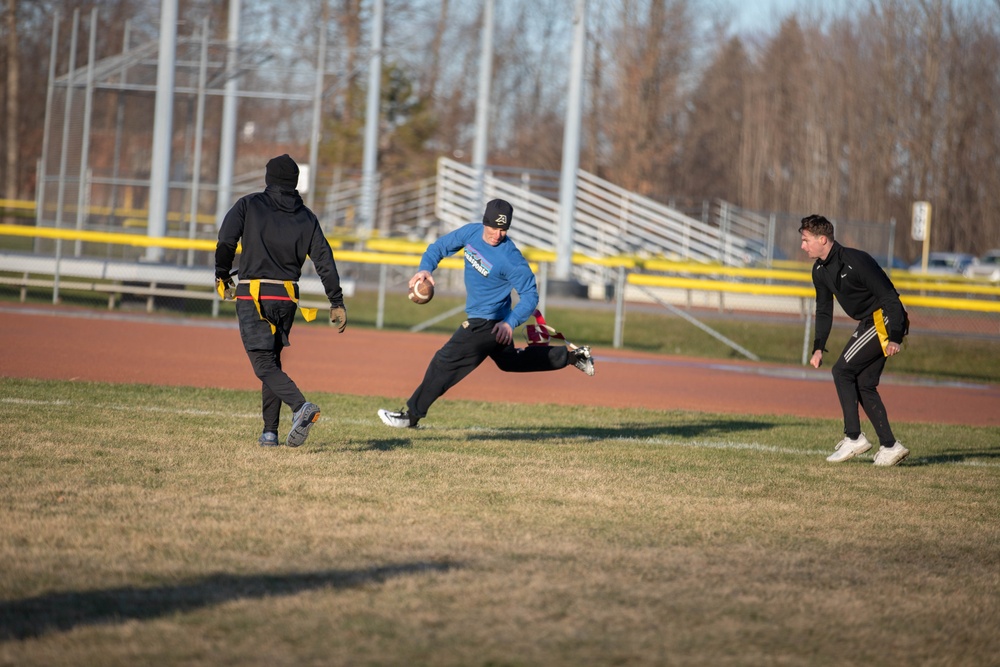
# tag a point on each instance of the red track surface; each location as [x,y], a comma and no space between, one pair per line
[67,345]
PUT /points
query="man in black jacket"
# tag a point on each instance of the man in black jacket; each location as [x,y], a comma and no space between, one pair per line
[867,295]
[278,231]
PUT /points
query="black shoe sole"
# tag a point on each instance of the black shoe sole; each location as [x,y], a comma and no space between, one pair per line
[297,436]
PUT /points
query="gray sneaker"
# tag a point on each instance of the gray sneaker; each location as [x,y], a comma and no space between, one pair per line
[302,421]
[401,419]
[890,456]
[268,439]
[848,449]
[582,359]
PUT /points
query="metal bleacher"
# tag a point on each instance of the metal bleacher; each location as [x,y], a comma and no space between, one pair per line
[609,220]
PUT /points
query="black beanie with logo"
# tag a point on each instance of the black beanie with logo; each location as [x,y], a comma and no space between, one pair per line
[499,214]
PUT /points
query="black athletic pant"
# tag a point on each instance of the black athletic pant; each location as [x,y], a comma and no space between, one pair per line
[264,350]
[856,376]
[468,347]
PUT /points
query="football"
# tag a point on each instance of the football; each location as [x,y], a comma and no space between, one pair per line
[421,292]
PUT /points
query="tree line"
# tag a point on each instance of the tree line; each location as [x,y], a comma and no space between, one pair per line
[853,112]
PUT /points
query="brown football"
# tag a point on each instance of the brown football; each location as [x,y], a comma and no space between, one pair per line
[421,292]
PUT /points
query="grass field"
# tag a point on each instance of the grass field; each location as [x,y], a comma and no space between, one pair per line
[143,525]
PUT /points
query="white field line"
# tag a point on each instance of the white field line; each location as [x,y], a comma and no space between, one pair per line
[696,444]
[133,408]
[707,444]
[704,444]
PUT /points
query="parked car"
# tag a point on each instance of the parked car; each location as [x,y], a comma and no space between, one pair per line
[988,267]
[945,263]
[897,263]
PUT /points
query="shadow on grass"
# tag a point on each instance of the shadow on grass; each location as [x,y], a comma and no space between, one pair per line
[384,445]
[372,445]
[59,612]
[722,428]
[956,456]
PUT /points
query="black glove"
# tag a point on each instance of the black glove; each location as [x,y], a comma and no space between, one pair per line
[338,317]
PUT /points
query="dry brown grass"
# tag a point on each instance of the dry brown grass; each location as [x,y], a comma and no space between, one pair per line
[144,526]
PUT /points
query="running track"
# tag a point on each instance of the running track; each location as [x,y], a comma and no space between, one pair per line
[54,343]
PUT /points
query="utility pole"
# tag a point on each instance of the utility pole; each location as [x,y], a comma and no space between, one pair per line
[227,138]
[163,127]
[369,173]
[483,105]
[563,282]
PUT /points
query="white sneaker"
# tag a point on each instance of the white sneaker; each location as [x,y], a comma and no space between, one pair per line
[848,449]
[401,419]
[582,359]
[890,456]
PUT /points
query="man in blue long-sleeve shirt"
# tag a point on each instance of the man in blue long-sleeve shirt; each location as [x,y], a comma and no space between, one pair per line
[493,267]
[867,295]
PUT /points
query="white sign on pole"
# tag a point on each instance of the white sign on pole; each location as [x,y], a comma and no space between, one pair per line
[921,217]
[303,184]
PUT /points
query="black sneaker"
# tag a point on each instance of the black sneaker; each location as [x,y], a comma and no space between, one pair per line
[302,421]
[582,359]
[401,419]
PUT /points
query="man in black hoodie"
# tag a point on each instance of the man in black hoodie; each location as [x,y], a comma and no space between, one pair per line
[278,231]
[867,295]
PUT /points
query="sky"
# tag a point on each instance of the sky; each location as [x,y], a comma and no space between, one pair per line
[766,15]
[758,14]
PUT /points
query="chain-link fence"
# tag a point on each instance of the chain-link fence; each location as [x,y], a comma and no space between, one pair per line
[96,170]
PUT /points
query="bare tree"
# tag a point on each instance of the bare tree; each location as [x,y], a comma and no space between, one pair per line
[13,99]
[643,103]
[433,70]
[715,125]
[970,137]
[527,121]
[779,103]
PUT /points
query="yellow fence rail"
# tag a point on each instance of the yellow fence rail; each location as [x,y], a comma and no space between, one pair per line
[707,285]
[644,272]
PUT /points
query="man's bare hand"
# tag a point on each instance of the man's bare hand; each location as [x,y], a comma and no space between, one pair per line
[817,359]
[503,332]
[421,275]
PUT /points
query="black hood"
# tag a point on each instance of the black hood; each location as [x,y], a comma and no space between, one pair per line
[284,199]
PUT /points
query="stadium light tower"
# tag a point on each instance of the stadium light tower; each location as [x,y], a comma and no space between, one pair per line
[483,104]
[563,282]
[227,136]
[163,120]
[369,167]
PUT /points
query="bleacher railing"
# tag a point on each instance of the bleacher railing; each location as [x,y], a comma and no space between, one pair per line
[609,220]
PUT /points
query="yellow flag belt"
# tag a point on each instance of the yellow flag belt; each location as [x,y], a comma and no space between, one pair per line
[883,333]
[309,314]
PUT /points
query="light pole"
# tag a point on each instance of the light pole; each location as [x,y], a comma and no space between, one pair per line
[563,282]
